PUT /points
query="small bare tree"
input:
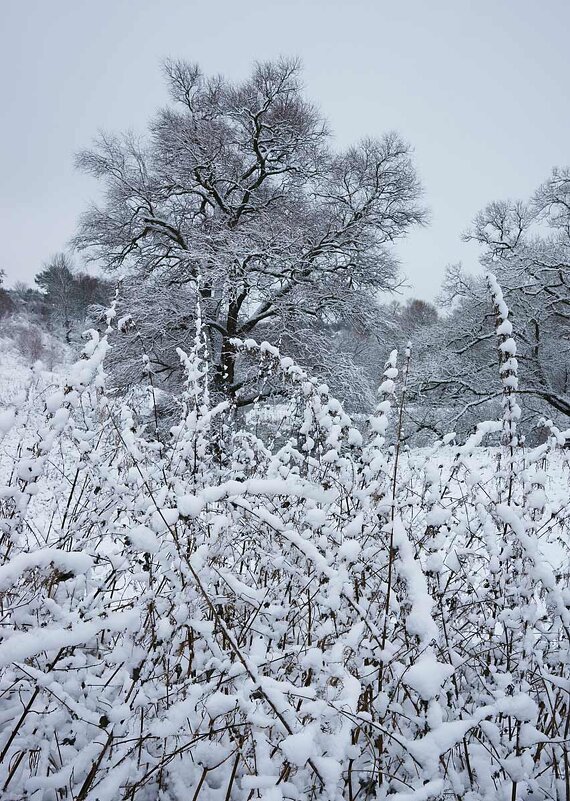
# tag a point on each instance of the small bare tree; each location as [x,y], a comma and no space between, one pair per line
[58,286]
[67,294]
[6,302]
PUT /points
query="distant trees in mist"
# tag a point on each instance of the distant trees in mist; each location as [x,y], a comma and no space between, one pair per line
[56,309]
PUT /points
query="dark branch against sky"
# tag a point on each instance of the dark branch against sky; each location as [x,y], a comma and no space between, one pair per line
[479,88]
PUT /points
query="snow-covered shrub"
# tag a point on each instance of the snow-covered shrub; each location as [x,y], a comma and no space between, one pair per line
[209,616]
[31,342]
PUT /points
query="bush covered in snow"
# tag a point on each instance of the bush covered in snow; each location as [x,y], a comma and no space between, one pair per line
[24,339]
[206,616]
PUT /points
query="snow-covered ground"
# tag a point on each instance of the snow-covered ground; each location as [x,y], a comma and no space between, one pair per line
[215,617]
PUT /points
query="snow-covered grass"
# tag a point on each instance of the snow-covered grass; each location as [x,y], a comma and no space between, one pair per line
[201,616]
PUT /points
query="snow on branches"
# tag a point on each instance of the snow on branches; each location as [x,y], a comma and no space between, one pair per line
[205,615]
[508,365]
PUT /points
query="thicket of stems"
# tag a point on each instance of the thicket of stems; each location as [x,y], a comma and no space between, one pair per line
[205,615]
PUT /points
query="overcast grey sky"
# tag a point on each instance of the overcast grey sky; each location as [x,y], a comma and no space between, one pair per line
[479,88]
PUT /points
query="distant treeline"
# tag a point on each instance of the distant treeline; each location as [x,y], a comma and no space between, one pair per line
[60,299]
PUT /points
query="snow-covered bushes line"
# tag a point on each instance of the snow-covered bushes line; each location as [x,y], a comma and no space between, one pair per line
[31,342]
[207,617]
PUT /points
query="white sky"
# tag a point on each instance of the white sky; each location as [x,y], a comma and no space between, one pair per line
[479,88]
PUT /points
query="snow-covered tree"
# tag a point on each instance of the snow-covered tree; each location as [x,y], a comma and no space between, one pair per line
[67,294]
[236,193]
[528,246]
